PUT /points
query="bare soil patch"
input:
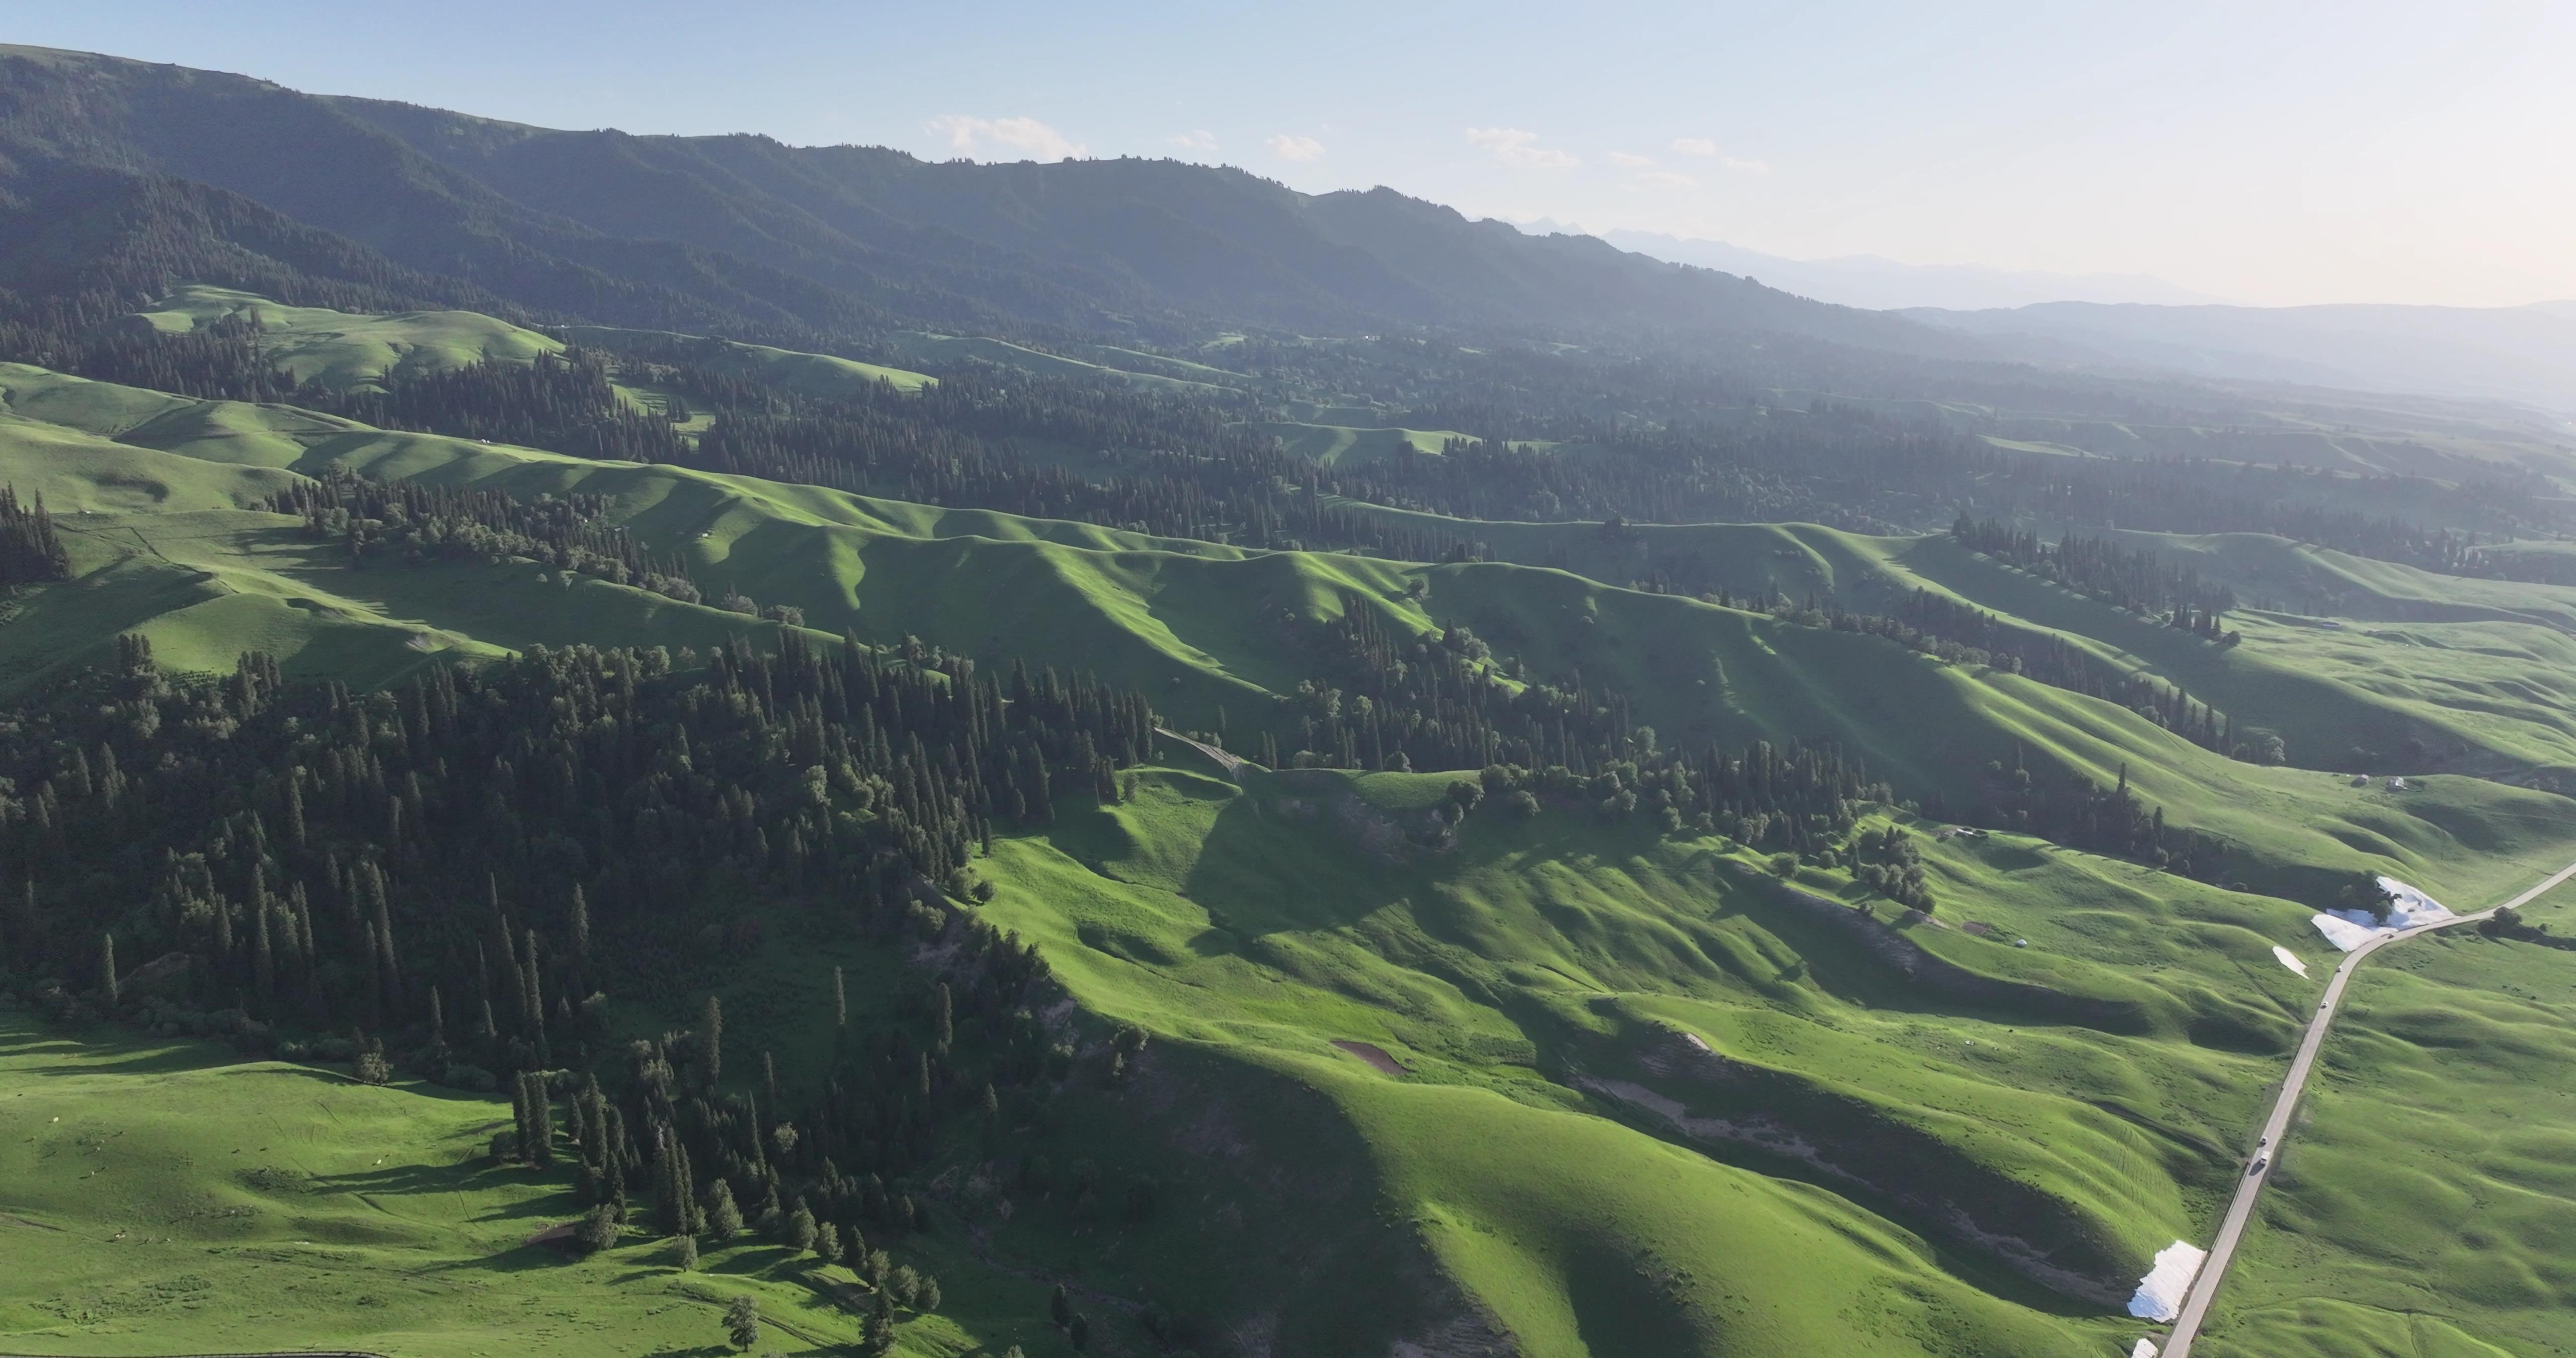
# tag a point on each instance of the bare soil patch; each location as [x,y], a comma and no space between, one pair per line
[1374,1055]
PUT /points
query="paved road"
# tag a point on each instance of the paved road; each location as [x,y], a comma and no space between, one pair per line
[2222,1251]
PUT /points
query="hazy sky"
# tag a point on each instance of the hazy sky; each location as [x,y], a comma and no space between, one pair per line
[2265,150]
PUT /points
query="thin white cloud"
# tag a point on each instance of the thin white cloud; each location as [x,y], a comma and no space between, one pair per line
[1034,139]
[1289,146]
[1197,139]
[1512,146]
[1706,149]
[1670,179]
[1630,160]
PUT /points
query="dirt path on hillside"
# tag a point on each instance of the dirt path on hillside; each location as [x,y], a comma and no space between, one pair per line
[1373,1054]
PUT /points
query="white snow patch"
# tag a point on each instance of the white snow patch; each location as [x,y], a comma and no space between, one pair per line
[2160,1293]
[2407,907]
[2146,1348]
[2289,959]
[2343,933]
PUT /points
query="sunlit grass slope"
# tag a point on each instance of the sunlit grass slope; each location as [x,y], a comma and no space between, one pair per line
[2466,686]
[1143,370]
[156,1198]
[1340,445]
[788,369]
[346,349]
[1538,983]
[2448,674]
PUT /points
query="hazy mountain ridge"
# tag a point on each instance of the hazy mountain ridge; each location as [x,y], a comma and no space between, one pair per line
[2525,354]
[1881,284]
[839,240]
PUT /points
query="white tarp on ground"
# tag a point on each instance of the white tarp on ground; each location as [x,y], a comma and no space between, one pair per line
[2407,907]
[2146,1349]
[2160,1293]
[2289,959]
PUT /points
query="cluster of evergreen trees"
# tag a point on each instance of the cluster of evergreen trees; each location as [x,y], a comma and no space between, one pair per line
[563,403]
[1438,700]
[472,856]
[2081,814]
[1148,465]
[2139,581]
[458,872]
[413,523]
[1962,634]
[1888,861]
[31,552]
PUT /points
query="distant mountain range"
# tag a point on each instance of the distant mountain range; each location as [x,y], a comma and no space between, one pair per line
[2525,354]
[2132,321]
[1878,284]
[805,243]
[121,179]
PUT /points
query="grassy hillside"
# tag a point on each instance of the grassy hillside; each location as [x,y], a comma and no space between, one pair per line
[350,349]
[1144,370]
[1193,623]
[788,369]
[2423,1205]
[183,1200]
[2470,681]
[1709,1115]
[1568,968]
[1335,445]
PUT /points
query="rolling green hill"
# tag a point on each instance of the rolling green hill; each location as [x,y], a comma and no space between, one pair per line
[1619,1091]
[2465,680]
[788,369]
[343,349]
[1187,620]
[1336,445]
[182,1198]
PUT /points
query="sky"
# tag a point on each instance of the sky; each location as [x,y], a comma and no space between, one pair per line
[2274,152]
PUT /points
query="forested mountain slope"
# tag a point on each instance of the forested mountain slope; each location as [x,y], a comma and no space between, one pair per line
[543,217]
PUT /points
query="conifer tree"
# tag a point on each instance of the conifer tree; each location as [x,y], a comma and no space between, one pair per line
[522,1121]
[541,1122]
[711,1042]
[724,1219]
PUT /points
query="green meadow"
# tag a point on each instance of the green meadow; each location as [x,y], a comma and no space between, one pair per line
[1596,1089]
[182,1200]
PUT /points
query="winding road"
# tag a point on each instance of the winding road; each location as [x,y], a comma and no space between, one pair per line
[2276,1127]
